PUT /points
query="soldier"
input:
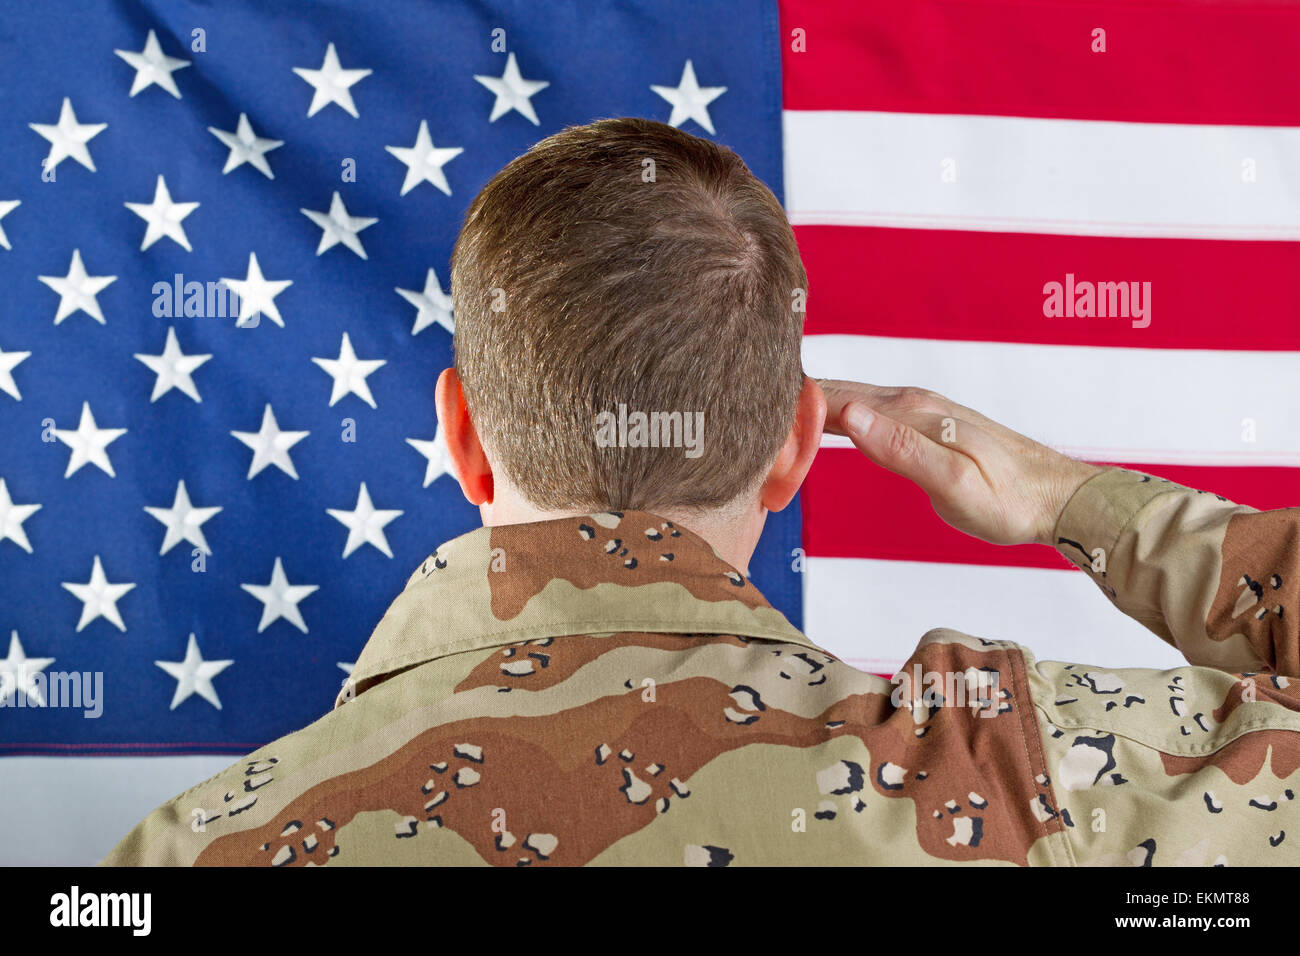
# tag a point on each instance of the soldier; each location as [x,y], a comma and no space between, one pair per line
[591,678]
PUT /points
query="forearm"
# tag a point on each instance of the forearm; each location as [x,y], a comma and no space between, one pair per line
[1219,581]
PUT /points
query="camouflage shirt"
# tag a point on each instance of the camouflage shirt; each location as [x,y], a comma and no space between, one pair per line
[606,690]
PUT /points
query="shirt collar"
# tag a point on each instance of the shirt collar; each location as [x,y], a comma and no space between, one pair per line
[593,574]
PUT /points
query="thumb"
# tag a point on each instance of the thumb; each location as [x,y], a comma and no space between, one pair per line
[896,446]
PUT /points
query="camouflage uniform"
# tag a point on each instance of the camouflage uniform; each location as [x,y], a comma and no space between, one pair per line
[605,690]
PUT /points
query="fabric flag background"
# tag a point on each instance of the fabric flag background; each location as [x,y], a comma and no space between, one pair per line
[945,161]
[382,121]
[941,161]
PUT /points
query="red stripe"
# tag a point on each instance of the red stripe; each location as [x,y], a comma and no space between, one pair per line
[987,286]
[1165,62]
[854,509]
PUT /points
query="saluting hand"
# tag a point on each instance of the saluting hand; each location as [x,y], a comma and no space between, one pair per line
[982,478]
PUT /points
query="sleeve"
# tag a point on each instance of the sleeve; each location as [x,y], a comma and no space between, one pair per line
[1218,581]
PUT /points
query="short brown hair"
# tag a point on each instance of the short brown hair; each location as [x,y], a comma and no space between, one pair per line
[637,265]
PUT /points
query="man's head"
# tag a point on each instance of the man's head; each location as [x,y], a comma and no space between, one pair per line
[626,263]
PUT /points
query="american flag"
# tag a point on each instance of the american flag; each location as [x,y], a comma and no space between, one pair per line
[210,499]
[944,161]
[951,168]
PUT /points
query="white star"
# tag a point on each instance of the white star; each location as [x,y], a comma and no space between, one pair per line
[435,452]
[183,521]
[337,226]
[349,373]
[331,83]
[257,294]
[8,362]
[433,305]
[346,667]
[98,598]
[194,675]
[173,368]
[12,517]
[88,443]
[77,290]
[271,445]
[6,207]
[280,599]
[18,673]
[68,138]
[163,216]
[151,66]
[365,523]
[689,99]
[513,92]
[245,147]
[423,162]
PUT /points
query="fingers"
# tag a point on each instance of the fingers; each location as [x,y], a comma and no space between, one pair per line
[900,448]
[915,406]
[840,393]
[918,407]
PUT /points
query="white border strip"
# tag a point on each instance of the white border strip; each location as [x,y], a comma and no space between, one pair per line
[71,811]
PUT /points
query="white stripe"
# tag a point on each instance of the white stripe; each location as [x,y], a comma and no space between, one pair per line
[1013,174]
[872,613]
[71,811]
[1169,406]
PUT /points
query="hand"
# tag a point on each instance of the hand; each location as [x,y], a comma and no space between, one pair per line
[982,478]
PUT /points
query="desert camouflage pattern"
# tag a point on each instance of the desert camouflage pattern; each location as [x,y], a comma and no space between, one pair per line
[1195,766]
[605,690]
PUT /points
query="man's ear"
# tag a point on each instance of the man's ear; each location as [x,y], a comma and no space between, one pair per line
[468,461]
[796,455]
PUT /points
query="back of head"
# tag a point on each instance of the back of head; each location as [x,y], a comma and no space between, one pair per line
[627,267]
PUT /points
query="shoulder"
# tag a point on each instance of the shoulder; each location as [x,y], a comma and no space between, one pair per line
[241,795]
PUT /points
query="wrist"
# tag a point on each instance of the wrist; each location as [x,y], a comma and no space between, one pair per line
[1071,478]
